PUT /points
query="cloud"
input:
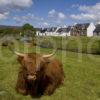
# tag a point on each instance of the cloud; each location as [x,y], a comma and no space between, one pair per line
[61,15]
[90,9]
[15,3]
[12,5]
[83,16]
[4,15]
[56,15]
[90,13]
[27,18]
[52,13]
[43,24]
[46,24]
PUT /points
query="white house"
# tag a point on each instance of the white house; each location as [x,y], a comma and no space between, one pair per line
[59,31]
[90,30]
[41,32]
[65,31]
[97,30]
[51,31]
[85,29]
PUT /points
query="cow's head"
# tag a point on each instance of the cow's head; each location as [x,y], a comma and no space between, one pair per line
[32,63]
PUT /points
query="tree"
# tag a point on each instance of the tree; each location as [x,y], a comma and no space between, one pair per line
[28,30]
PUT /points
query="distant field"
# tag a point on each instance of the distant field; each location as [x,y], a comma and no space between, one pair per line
[82,80]
[76,44]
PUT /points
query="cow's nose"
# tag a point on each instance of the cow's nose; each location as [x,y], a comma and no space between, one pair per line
[31,77]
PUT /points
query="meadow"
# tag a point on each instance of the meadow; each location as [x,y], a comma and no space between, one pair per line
[80,44]
[82,76]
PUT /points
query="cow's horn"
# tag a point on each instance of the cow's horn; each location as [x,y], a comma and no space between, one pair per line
[19,54]
[49,55]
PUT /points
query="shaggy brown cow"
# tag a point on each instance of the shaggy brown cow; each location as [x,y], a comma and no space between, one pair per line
[39,75]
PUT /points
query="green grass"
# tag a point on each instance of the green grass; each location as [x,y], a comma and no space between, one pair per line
[75,44]
[82,81]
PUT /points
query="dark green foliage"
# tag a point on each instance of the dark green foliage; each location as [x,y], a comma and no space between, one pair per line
[10,31]
[27,27]
[28,30]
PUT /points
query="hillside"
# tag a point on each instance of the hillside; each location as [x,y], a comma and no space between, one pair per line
[5,27]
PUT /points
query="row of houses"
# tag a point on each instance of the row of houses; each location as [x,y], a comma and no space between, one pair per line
[85,29]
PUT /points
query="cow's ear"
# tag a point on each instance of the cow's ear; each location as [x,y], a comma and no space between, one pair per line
[45,60]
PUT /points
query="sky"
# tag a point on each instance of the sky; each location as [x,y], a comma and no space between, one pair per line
[47,13]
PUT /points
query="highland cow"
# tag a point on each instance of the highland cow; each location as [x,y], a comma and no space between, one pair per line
[39,74]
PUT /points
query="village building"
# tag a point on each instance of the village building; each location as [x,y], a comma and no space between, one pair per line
[51,31]
[64,31]
[85,29]
[97,30]
[41,32]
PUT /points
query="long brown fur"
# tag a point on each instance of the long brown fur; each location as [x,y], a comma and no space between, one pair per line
[49,76]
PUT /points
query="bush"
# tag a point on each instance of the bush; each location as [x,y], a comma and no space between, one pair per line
[6,43]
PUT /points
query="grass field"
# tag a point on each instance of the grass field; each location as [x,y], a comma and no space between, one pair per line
[82,80]
[76,44]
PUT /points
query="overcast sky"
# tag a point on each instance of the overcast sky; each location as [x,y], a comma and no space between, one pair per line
[45,13]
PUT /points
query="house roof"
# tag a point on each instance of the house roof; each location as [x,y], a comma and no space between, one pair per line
[80,26]
[43,30]
[64,30]
[52,29]
[97,28]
